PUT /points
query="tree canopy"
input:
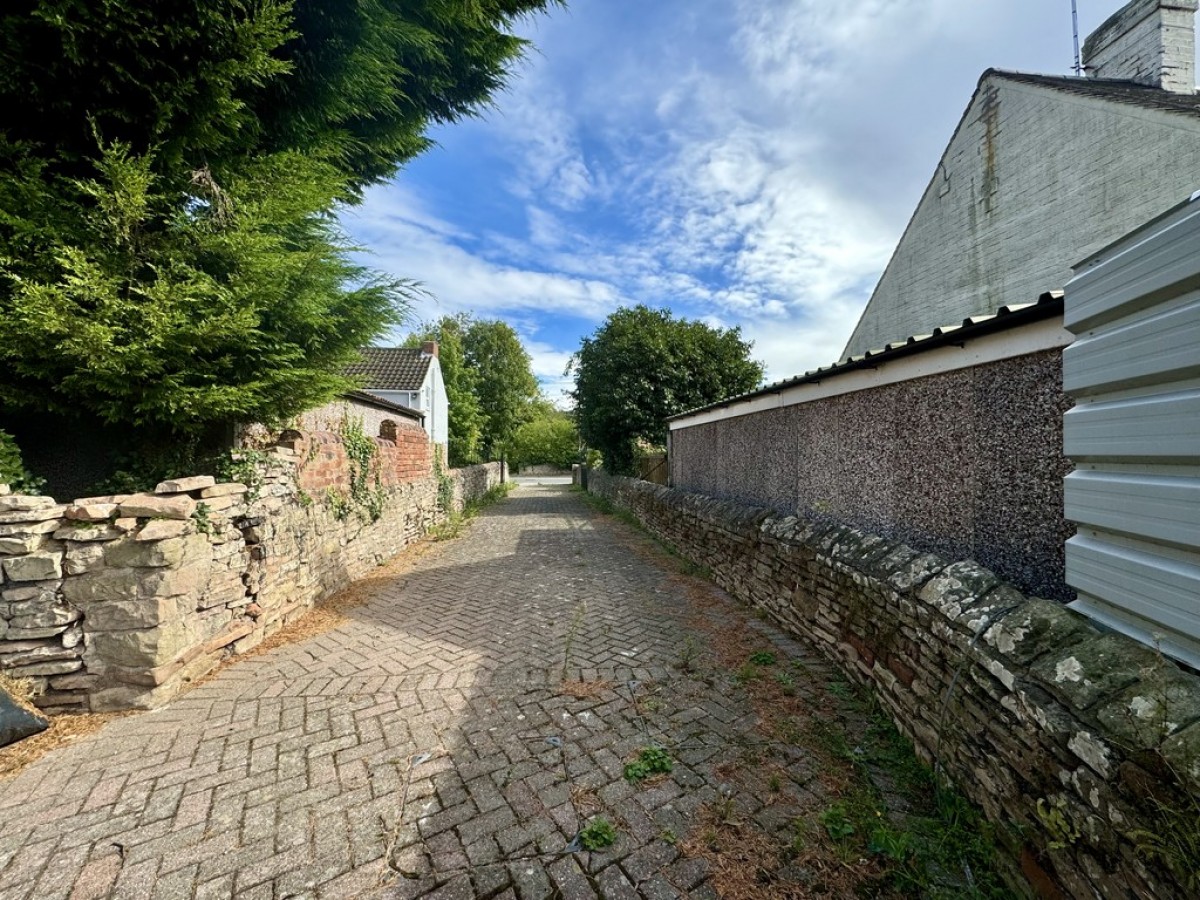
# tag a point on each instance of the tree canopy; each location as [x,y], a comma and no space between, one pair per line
[548,438]
[489,383]
[170,176]
[506,385]
[643,365]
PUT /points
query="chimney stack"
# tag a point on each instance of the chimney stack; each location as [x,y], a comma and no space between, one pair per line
[1152,42]
[429,348]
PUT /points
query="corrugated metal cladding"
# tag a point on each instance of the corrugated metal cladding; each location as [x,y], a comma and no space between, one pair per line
[1134,433]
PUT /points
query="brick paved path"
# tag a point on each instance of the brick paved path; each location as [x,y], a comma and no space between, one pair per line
[424,747]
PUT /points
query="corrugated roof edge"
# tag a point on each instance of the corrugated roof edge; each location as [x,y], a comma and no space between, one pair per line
[1012,316]
[386,405]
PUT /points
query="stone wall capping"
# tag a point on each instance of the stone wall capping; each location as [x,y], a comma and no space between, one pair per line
[184,485]
[5,490]
[91,512]
[1017,699]
[1095,669]
[912,575]
[32,514]
[224,489]
[157,506]
[24,502]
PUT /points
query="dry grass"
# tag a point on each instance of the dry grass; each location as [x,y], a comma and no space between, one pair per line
[746,862]
[585,690]
[63,730]
[324,617]
[330,614]
[585,800]
[20,689]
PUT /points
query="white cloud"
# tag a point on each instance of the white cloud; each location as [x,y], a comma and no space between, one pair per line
[751,162]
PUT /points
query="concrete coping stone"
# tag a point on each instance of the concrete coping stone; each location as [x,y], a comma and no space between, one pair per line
[1154,708]
[1086,674]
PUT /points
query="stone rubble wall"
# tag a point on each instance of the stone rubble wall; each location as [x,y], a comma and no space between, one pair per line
[1070,739]
[119,602]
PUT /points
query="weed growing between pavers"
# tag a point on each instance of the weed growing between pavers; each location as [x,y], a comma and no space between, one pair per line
[598,834]
[456,521]
[870,819]
[650,761]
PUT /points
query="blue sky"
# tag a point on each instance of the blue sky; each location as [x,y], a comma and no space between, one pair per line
[743,162]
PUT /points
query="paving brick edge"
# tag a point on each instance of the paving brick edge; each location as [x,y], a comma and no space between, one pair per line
[1067,738]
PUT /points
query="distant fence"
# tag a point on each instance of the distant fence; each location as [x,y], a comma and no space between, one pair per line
[653,467]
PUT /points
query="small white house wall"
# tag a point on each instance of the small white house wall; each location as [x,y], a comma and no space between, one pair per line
[1033,180]
[438,410]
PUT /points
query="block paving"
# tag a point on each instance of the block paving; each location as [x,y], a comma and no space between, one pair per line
[426,747]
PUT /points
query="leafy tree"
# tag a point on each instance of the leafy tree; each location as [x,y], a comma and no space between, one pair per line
[466,418]
[548,438]
[182,327]
[169,175]
[505,384]
[643,365]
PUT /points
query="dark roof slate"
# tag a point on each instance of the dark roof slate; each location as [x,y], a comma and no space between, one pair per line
[1127,92]
[391,368]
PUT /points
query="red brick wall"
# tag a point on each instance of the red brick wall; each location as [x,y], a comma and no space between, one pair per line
[324,463]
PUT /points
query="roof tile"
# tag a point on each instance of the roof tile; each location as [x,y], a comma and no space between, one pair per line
[391,368]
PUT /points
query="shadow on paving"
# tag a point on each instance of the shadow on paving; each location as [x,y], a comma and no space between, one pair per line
[427,746]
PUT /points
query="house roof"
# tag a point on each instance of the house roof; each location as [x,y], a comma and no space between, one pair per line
[366,398]
[1047,305]
[391,368]
[1127,92]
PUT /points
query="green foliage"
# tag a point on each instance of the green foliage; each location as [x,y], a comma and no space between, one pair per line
[939,846]
[202,518]
[456,520]
[650,761]
[175,322]
[169,178]
[505,384]
[445,486]
[366,493]
[244,467]
[549,438]
[598,834]
[12,468]
[837,822]
[763,658]
[643,365]
[1172,838]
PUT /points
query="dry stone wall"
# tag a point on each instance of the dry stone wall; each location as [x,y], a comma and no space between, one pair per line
[119,602]
[1083,746]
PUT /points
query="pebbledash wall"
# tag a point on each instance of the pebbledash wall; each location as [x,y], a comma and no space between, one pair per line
[1072,740]
[119,602]
[952,444]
